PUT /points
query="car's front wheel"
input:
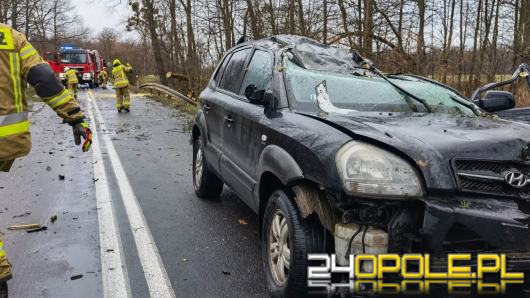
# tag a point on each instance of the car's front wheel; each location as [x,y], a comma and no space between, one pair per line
[207,185]
[286,241]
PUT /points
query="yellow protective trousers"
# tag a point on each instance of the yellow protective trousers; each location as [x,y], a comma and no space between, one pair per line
[73,89]
[123,98]
[5,267]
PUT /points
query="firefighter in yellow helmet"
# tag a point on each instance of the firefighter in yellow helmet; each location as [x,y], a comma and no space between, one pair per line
[71,80]
[121,84]
[20,64]
[103,77]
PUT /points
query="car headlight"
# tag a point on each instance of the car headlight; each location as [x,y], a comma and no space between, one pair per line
[369,170]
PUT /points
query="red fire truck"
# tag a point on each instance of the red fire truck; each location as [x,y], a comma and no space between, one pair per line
[87,62]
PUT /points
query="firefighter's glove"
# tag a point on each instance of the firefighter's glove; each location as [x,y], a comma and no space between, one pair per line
[82,130]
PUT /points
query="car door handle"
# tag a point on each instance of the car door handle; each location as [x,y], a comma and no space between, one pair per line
[229,119]
[207,107]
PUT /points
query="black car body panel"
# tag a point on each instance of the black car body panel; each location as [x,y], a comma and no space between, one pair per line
[245,142]
[438,140]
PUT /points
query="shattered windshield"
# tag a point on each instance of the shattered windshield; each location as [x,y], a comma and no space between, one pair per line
[369,93]
[74,57]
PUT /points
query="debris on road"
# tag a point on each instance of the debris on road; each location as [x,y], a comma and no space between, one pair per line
[22,215]
[184,260]
[43,228]
[225,272]
[243,222]
[78,276]
[23,227]
[53,218]
[61,177]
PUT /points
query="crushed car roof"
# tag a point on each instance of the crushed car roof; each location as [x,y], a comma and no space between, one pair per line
[312,54]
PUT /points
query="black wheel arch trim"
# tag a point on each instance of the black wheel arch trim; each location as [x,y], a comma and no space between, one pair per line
[280,163]
[200,123]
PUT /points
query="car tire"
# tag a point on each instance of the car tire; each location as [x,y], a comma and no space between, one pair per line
[207,185]
[303,236]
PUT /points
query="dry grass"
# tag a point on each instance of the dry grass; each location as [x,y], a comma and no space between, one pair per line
[520,89]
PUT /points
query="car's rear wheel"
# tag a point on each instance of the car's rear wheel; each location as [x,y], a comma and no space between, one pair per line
[207,185]
[286,241]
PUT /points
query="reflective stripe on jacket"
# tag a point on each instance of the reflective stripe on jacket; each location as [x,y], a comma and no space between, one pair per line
[5,267]
[17,58]
[119,73]
[71,76]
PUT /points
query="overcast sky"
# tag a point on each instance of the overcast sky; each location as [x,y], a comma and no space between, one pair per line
[98,14]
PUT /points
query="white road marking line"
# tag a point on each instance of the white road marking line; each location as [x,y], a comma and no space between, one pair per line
[113,269]
[155,273]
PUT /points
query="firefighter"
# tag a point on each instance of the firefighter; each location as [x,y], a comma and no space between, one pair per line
[103,77]
[121,84]
[20,63]
[71,80]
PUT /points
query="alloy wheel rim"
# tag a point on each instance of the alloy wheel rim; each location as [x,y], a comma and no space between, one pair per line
[198,167]
[279,251]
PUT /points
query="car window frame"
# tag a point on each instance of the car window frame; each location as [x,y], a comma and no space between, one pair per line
[219,71]
[228,92]
[254,49]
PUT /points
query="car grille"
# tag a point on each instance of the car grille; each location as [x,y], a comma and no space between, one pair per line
[488,177]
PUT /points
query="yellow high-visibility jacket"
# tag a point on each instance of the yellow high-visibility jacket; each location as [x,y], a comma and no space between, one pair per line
[119,74]
[103,75]
[71,76]
[20,63]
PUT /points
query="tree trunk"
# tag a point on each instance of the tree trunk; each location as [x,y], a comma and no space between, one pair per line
[155,43]
[493,52]
[253,20]
[301,20]
[368,27]
[344,17]
[472,69]
[524,31]
[420,40]
[14,14]
[447,42]
[516,34]
[292,26]
[325,25]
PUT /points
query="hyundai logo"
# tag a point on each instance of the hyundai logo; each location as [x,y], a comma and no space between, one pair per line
[515,179]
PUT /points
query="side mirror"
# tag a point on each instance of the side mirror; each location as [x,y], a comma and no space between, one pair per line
[494,101]
[258,97]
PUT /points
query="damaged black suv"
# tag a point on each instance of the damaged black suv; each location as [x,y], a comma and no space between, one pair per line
[329,151]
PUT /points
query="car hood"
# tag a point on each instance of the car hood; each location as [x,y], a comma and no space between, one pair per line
[431,141]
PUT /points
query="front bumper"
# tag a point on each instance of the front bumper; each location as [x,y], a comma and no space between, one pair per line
[443,224]
[495,223]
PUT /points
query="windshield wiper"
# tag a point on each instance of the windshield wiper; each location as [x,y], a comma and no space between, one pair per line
[399,89]
[468,105]
[465,103]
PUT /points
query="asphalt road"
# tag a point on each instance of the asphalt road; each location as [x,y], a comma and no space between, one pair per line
[165,240]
